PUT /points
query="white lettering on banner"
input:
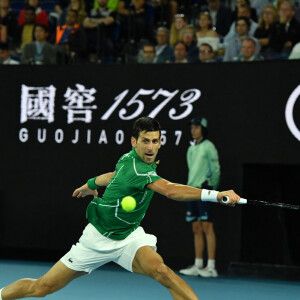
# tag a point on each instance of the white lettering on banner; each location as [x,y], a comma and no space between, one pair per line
[102,137]
[59,136]
[163,137]
[187,97]
[41,139]
[88,136]
[178,134]
[76,137]
[84,136]
[23,135]
[289,116]
[37,103]
[78,104]
[120,137]
[192,96]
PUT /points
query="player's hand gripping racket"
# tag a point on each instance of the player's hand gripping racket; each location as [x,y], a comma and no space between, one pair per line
[225,199]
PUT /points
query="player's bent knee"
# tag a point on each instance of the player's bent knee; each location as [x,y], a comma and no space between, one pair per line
[42,289]
[163,274]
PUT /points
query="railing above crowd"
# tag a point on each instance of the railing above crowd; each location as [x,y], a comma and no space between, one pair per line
[148,31]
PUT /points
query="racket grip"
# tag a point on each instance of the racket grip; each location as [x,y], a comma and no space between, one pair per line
[225,199]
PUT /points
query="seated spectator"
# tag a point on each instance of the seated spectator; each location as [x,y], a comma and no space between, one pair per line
[295,54]
[164,11]
[239,3]
[206,53]
[79,6]
[25,32]
[249,51]
[277,4]
[177,27]
[39,52]
[5,58]
[133,19]
[189,38]
[71,40]
[206,33]
[285,33]
[41,16]
[3,33]
[60,6]
[8,22]
[147,54]
[259,5]
[262,33]
[163,51]
[99,27]
[220,15]
[111,4]
[234,47]
[180,53]
[243,11]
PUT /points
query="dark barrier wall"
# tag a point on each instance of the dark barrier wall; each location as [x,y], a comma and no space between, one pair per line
[63,125]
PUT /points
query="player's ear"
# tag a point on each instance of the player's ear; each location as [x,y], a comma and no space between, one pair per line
[133,142]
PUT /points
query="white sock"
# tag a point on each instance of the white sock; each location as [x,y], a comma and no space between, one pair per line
[198,263]
[0,294]
[211,263]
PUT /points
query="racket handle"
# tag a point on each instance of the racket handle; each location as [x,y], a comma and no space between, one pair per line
[225,199]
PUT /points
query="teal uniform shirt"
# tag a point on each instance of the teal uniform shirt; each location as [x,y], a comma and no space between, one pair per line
[131,179]
[203,164]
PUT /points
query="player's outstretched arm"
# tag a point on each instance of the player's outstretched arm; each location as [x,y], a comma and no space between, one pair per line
[181,192]
[101,180]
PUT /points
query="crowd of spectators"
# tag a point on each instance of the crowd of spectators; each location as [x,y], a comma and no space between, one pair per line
[148,31]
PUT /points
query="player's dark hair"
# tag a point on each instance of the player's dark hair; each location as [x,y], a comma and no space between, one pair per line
[145,124]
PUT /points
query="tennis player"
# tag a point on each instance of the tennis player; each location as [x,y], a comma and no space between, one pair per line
[115,235]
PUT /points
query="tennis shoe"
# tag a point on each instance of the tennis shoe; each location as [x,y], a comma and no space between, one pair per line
[191,271]
[208,272]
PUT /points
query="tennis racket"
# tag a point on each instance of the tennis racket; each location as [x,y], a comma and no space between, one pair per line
[225,199]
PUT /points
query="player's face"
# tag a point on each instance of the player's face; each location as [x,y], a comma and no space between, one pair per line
[196,132]
[147,146]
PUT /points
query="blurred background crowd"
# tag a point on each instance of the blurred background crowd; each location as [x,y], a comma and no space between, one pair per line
[148,31]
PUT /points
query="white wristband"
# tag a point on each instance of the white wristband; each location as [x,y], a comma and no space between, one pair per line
[209,195]
[0,294]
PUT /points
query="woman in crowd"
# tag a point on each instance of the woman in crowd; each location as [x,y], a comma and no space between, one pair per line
[190,40]
[262,33]
[177,27]
[206,33]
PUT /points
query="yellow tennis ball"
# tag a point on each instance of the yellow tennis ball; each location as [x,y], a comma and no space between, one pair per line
[128,203]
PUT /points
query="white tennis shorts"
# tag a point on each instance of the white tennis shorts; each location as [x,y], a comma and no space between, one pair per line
[94,250]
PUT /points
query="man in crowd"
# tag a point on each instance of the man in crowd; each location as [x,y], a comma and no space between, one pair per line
[206,53]
[243,11]
[39,52]
[99,27]
[234,47]
[5,58]
[25,32]
[163,50]
[147,54]
[221,16]
[249,52]
[71,39]
[180,53]
[286,32]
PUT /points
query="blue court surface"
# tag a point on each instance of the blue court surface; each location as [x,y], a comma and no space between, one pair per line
[114,283]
